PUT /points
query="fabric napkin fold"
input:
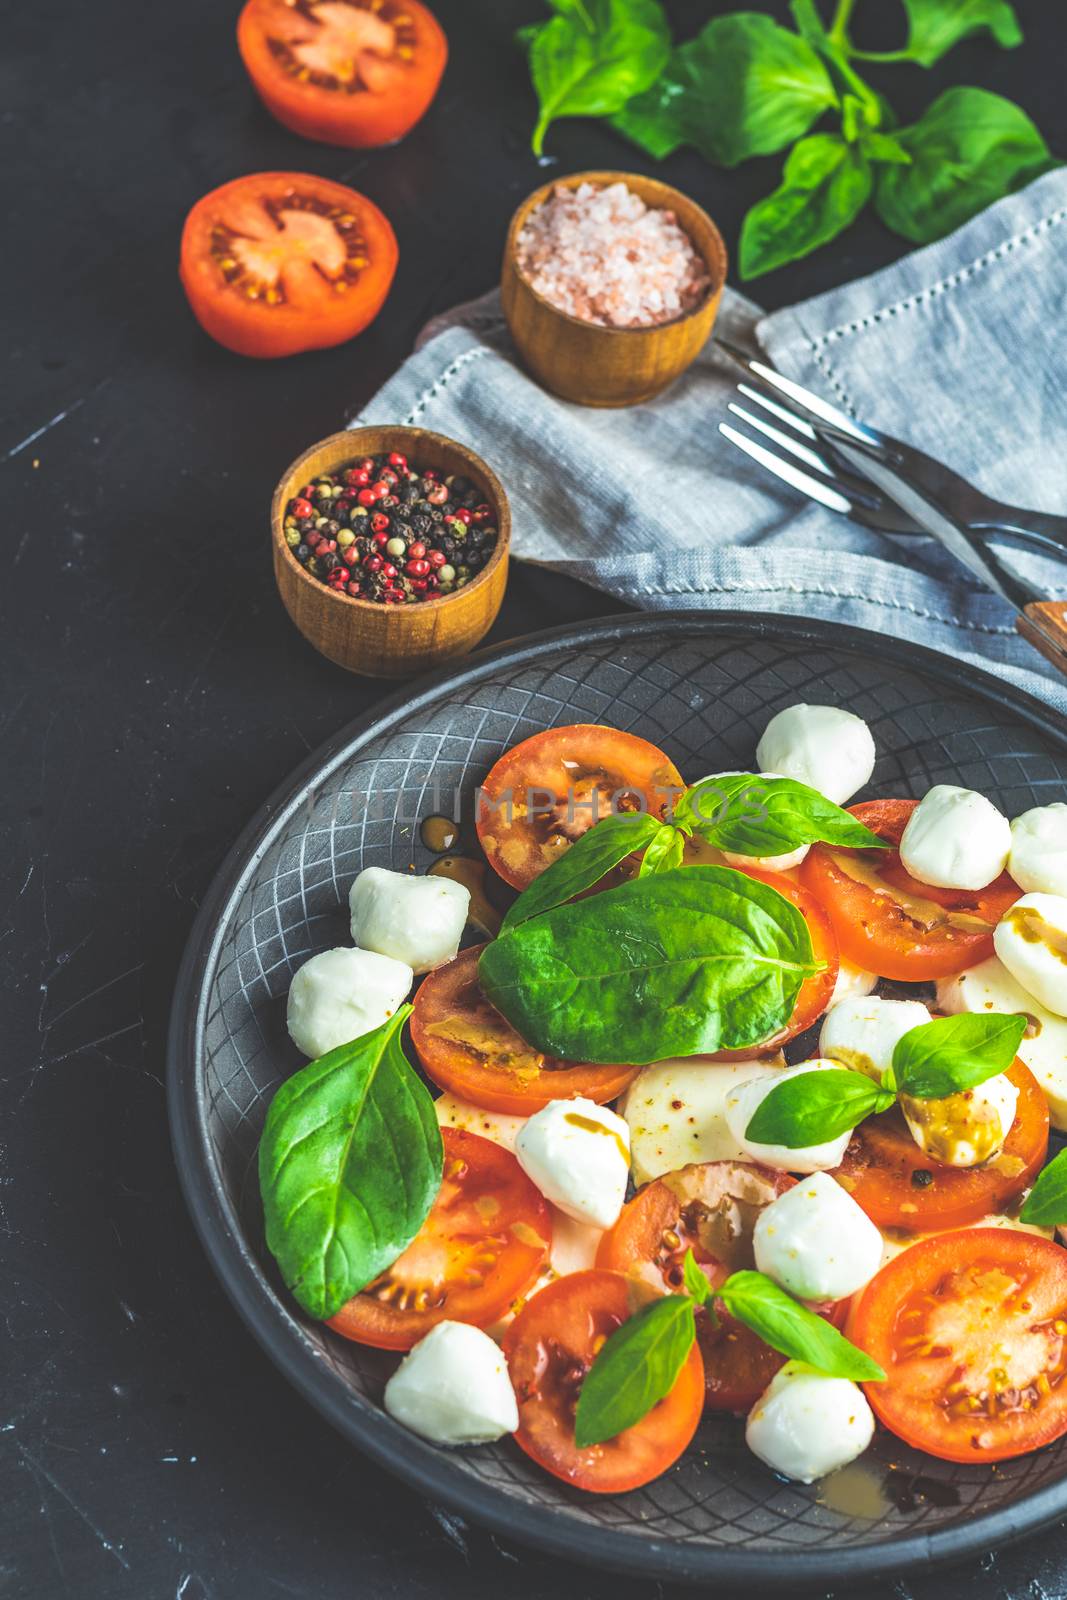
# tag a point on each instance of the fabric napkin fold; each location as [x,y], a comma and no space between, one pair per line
[959,348]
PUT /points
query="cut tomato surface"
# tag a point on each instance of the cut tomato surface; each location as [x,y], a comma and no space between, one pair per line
[815,992]
[346,72]
[481,1247]
[888,922]
[970,1329]
[467,1046]
[550,1347]
[710,1208]
[899,1186]
[280,262]
[548,790]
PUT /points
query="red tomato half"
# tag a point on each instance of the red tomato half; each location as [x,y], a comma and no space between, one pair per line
[550,1347]
[347,72]
[815,993]
[892,924]
[970,1329]
[467,1046]
[882,1162]
[280,262]
[710,1208]
[548,790]
[481,1247]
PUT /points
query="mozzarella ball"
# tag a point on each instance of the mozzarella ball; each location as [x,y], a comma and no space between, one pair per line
[955,839]
[804,1425]
[676,1112]
[453,1388]
[852,981]
[990,987]
[742,1104]
[1031,940]
[417,920]
[341,994]
[1038,858]
[964,1129]
[578,1155]
[816,1242]
[783,863]
[863,1033]
[452,1112]
[828,749]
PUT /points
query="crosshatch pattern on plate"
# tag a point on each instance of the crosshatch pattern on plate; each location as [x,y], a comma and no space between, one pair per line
[705,700]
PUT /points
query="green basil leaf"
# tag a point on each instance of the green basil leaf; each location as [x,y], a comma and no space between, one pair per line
[665,852]
[696,1283]
[743,87]
[815,1107]
[951,1054]
[637,1368]
[593,56]
[677,964]
[1046,1204]
[884,147]
[934,26]
[589,858]
[793,1330]
[968,149]
[825,185]
[756,816]
[349,1166]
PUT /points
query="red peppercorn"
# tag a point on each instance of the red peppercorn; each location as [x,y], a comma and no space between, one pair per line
[388,477]
[419,585]
[350,556]
[381,538]
[367,497]
[353,590]
[388,571]
[437,495]
[379,522]
[328,544]
[373,563]
[417,569]
[482,512]
[462,515]
[437,558]
[357,477]
[429,472]
[398,461]
[313,540]
[366,464]
[417,550]
[302,508]
[432,581]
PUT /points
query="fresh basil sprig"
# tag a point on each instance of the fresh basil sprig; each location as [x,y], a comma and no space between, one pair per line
[751,815]
[679,963]
[349,1165]
[640,1363]
[594,55]
[584,863]
[664,852]
[814,1107]
[1046,1204]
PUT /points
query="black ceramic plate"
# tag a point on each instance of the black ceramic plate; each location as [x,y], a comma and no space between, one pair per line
[703,688]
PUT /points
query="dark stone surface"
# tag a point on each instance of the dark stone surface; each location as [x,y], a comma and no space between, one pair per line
[154,694]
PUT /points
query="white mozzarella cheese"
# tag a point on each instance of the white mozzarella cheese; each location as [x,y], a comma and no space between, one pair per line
[578,1155]
[1038,859]
[676,1111]
[990,987]
[341,994]
[414,919]
[862,1033]
[965,1129]
[741,1105]
[816,1242]
[852,981]
[828,749]
[804,1425]
[452,1112]
[955,839]
[1031,940]
[453,1388]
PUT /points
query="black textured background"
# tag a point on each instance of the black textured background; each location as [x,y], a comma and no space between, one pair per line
[154,693]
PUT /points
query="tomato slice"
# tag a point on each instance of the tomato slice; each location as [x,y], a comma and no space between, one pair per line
[483,1244]
[548,790]
[348,72]
[280,262]
[899,1186]
[467,1046]
[888,922]
[710,1208]
[550,1347]
[815,993]
[970,1329]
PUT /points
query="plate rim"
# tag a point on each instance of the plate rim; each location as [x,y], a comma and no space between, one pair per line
[421,1465]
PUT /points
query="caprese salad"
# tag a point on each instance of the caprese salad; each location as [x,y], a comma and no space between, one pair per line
[745,1110]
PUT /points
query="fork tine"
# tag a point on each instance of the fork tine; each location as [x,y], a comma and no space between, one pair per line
[763,399]
[803,452]
[807,403]
[812,487]
[856,488]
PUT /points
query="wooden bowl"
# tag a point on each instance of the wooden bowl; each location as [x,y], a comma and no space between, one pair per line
[598,366]
[365,636]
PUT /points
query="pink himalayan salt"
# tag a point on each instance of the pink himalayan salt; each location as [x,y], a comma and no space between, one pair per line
[602,255]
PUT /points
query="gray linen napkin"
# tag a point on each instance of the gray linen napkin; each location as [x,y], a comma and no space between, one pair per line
[960,348]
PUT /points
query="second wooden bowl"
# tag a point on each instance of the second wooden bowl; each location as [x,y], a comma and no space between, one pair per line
[365,636]
[598,366]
